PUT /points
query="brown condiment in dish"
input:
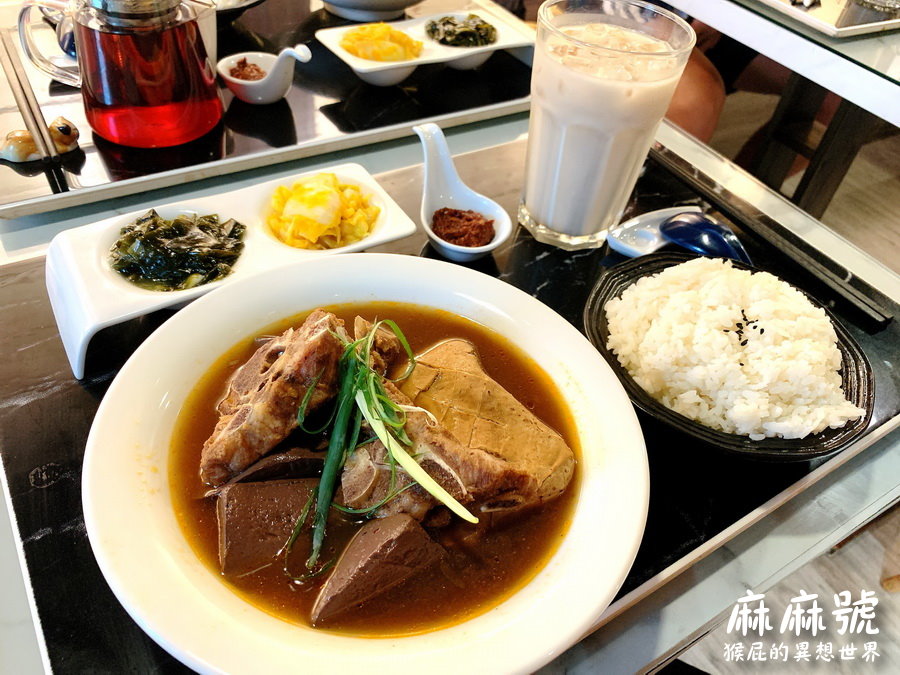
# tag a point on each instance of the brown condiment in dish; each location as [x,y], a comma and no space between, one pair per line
[244,70]
[463,228]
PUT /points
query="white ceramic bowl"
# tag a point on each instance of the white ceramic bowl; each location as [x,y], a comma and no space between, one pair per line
[261,92]
[187,609]
[369,10]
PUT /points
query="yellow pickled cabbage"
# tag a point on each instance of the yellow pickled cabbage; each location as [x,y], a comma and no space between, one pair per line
[320,212]
[380,42]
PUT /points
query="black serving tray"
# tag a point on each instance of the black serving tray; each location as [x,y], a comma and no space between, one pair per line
[697,493]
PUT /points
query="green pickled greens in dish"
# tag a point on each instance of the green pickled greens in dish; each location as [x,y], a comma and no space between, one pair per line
[473,31]
[173,255]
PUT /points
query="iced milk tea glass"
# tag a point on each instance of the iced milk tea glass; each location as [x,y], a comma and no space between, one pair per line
[604,72]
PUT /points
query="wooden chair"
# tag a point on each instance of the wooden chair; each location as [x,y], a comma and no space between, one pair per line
[793,131]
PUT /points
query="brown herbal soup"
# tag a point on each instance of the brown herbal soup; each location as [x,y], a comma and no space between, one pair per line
[483,565]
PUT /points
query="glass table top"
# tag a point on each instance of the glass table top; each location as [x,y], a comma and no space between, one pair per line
[876,51]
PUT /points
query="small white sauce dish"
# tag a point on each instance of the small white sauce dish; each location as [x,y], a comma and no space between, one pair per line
[444,188]
[369,10]
[229,10]
[279,74]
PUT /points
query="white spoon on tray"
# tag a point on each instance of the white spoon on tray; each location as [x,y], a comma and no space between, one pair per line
[685,226]
[443,188]
[640,235]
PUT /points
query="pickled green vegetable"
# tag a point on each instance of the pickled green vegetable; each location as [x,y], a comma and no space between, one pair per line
[473,31]
[172,255]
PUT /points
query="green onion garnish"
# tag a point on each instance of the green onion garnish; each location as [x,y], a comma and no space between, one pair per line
[362,394]
[416,472]
[334,457]
[369,510]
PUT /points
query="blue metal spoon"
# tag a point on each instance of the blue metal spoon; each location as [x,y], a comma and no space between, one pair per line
[696,232]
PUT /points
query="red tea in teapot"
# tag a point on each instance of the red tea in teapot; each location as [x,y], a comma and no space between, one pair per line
[143,68]
[149,87]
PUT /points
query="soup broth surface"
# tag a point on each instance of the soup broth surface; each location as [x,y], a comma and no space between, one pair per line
[485,564]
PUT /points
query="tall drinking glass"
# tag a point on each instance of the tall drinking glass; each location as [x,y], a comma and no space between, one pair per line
[603,75]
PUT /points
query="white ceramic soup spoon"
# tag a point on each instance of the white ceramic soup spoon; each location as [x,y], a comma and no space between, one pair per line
[444,188]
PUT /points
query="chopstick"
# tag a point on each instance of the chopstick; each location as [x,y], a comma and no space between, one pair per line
[31,112]
[15,74]
[838,283]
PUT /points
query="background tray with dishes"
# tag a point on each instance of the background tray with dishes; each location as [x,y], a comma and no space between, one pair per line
[327,108]
[385,73]
[700,497]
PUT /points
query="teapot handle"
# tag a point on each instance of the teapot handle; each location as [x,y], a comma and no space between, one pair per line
[66,74]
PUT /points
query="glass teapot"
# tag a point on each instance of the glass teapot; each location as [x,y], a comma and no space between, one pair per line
[144,67]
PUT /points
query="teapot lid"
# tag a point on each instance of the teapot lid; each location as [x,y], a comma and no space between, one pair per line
[135,8]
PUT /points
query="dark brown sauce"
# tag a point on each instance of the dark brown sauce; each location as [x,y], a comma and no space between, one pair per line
[244,70]
[463,228]
[477,576]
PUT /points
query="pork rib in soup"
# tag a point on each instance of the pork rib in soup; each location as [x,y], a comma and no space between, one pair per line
[260,407]
[343,473]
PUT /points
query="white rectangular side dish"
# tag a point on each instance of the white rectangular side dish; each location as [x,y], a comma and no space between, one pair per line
[387,73]
[87,294]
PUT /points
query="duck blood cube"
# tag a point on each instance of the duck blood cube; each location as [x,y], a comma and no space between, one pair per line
[256,519]
[383,554]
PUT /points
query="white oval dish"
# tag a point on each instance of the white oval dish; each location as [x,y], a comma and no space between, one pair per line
[386,73]
[368,10]
[87,295]
[229,10]
[187,609]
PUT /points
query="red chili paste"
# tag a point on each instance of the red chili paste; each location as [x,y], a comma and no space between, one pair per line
[247,71]
[463,228]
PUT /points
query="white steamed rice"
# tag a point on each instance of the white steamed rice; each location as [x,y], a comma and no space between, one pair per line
[676,334]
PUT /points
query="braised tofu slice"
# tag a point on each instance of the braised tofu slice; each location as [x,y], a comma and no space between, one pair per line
[450,382]
[468,474]
[256,519]
[383,554]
